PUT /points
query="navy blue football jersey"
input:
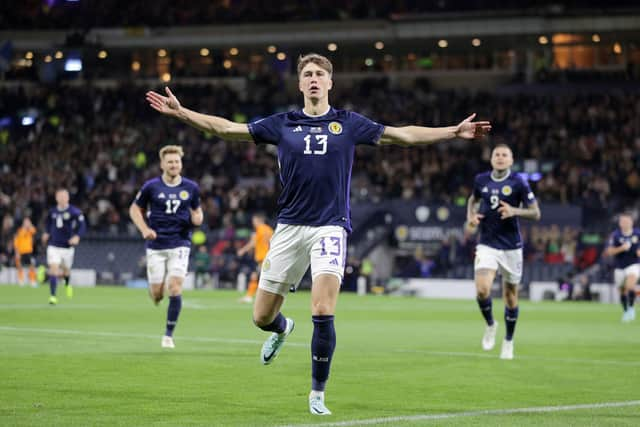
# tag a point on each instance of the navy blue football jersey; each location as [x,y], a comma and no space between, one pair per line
[626,258]
[62,225]
[315,155]
[496,232]
[168,211]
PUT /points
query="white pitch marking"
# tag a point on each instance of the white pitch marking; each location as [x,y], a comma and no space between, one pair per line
[127,335]
[428,417]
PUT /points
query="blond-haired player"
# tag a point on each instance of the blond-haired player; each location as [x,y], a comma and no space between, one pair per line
[165,211]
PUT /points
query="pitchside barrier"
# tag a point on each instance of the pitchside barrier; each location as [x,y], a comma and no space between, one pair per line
[465,289]
[80,277]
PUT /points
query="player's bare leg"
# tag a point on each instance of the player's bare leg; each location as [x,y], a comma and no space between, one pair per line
[156,292]
[267,316]
[510,295]
[324,297]
[174,285]
[484,278]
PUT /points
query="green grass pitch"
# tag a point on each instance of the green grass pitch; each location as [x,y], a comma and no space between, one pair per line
[96,360]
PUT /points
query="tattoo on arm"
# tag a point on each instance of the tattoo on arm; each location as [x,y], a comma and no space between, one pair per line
[532,212]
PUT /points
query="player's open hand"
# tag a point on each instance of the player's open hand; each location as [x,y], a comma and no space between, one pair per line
[505,210]
[168,105]
[149,234]
[73,241]
[468,129]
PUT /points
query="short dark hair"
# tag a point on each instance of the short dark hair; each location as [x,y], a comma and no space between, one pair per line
[502,145]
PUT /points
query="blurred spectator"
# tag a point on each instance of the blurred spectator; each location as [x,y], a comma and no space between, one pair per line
[202,265]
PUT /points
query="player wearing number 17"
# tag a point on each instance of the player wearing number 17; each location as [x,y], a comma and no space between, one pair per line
[499,198]
[315,153]
[171,204]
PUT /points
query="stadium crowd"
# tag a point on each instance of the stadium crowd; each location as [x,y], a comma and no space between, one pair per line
[102,144]
[114,13]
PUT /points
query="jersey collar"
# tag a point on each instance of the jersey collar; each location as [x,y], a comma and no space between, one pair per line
[318,115]
[170,185]
[501,179]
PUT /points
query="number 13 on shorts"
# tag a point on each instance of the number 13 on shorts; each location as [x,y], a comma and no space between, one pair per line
[329,251]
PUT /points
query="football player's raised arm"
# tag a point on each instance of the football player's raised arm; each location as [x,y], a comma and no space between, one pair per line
[420,135]
[219,126]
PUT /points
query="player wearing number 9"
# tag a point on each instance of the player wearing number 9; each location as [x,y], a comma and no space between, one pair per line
[499,198]
[165,211]
[315,147]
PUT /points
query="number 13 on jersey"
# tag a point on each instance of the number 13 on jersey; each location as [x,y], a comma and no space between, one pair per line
[320,140]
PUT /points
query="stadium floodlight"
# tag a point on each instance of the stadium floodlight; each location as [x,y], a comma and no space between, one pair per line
[73,64]
[332,47]
[476,42]
[28,120]
[617,48]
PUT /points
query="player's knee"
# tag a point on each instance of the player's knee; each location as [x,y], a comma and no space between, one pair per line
[321,308]
[175,287]
[262,319]
[483,292]
[155,291]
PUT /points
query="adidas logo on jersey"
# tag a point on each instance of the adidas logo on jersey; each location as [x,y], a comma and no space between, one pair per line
[161,196]
[485,190]
[298,129]
[334,262]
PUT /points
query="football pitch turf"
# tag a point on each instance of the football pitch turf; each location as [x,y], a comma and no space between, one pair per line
[96,360]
